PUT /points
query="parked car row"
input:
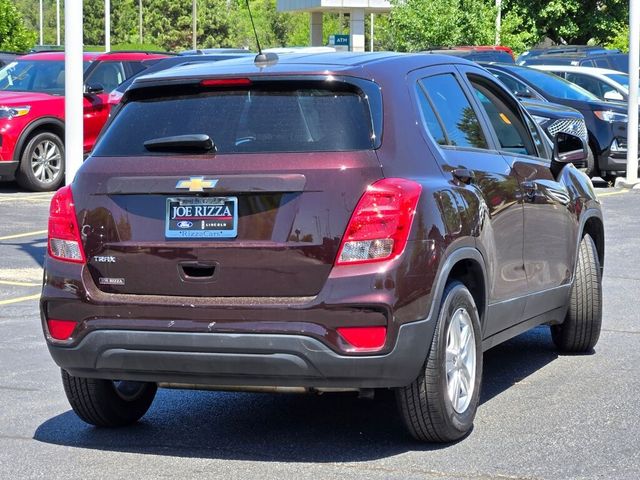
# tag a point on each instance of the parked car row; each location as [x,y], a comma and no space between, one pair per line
[32,106]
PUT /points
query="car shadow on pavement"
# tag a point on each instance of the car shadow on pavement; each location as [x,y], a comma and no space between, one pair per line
[36,248]
[281,427]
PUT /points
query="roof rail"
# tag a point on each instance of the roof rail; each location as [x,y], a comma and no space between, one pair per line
[147,52]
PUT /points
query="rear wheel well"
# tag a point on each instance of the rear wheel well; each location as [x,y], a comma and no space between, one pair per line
[594,227]
[470,273]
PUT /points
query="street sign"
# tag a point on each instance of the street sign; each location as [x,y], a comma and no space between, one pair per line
[340,42]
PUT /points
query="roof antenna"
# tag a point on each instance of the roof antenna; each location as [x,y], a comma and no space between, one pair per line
[262,59]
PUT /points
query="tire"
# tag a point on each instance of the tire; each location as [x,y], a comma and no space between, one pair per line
[580,330]
[609,178]
[105,403]
[426,407]
[591,169]
[42,163]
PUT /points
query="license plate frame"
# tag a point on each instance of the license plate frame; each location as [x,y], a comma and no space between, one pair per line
[197,224]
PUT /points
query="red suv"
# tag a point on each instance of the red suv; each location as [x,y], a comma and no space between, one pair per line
[32,111]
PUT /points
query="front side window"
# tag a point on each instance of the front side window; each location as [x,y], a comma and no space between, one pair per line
[512,133]
[459,121]
[107,74]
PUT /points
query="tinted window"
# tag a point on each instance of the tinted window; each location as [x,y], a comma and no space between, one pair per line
[107,74]
[511,132]
[238,121]
[554,85]
[515,86]
[460,122]
[33,76]
[429,118]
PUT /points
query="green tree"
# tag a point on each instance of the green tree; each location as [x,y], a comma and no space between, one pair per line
[574,21]
[14,36]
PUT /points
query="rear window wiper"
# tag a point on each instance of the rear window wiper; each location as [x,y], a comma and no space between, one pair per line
[198,142]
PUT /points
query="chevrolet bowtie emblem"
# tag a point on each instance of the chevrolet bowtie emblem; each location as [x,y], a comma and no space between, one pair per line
[196,184]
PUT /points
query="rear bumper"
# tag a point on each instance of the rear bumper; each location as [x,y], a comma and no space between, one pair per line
[242,359]
[8,170]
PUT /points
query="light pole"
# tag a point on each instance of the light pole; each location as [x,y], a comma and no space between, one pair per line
[107,25]
[41,31]
[634,64]
[58,22]
[73,95]
[194,26]
[499,20]
[140,22]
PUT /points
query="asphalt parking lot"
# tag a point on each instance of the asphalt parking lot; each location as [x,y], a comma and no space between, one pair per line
[542,416]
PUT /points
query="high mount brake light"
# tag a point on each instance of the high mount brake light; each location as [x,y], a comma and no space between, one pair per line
[225,82]
[381,222]
[64,236]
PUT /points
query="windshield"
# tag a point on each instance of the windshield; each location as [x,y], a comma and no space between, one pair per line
[555,86]
[43,76]
[621,78]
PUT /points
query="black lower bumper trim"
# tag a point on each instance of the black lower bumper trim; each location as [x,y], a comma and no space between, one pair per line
[246,359]
[8,170]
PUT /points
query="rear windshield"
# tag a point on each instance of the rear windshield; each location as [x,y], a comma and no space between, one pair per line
[268,119]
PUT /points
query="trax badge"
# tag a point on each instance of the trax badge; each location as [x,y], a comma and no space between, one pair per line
[196,184]
[104,259]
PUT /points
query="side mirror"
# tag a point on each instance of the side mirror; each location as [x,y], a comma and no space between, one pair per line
[569,148]
[524,94]
[613,95]
[93,89]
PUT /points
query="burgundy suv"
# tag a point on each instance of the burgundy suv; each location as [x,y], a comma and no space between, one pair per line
[325,222]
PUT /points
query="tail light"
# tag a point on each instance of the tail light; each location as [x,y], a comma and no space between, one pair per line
[363,339]
[380,224]
[61,329]
[64,235]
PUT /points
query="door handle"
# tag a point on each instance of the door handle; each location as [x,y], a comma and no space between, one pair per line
[464,175]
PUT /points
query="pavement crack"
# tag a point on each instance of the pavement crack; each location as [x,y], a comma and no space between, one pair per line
[613,330]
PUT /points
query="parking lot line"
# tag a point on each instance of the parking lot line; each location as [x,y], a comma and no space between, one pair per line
[19,284]
[608,194]
[19,299]
[21,235]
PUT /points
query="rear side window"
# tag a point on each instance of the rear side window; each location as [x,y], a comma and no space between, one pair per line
[430,119]
[255,120]
[458,119]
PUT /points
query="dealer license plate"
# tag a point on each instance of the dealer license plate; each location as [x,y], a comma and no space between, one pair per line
[202,217]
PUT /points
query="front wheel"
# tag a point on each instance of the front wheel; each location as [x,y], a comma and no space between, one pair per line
[441,403]
[580,330]
[107,403]
[42,163]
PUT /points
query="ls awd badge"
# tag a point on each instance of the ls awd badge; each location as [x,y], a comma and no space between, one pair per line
[111,281]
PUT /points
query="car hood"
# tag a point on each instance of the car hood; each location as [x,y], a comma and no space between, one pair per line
[548,109]
[23,98]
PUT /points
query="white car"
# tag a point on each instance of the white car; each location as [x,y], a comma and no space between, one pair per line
[608,85]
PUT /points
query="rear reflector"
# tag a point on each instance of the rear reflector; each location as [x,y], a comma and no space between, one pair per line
[364,338]
[381,222]
[225,82]
[61,329]
[64,235]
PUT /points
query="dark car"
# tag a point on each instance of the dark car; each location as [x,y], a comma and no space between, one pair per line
[298,226]
[477,54]
[555,118]
[165,63]
[581,50]
[606,121]
[7,57]
[611,61]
